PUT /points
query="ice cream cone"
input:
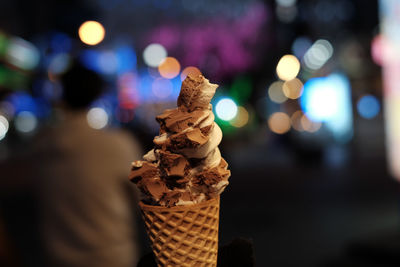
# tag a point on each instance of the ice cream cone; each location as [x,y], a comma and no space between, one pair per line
[183,235]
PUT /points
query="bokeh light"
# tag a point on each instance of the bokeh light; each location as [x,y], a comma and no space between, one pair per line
[25,122]
[293,89]
[241,119]
[328,100]
[286,14]
[3,127]
[162,88]
[91,32]
[108,62]
[169,68]
[128,96]
[59,63]
[189,70]
[126,58]
[22,54]
[97,118]
[226,109]
[286,3]
[309,125]
[321,101]
[288,67]
[318,54]
[275,92]
[154,54]
[90,59]
[296,120]
[279,123]
[300,46]
[368,106]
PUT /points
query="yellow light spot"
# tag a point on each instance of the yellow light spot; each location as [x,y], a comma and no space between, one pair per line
[279,123]
[288,67]
[296,120]
[169,68]
[293,89]
[241,119]
[308,125]
[275,92]
[91,32]
[189,70]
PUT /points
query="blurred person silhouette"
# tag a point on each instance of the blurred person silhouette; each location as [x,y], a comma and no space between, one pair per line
[87,206]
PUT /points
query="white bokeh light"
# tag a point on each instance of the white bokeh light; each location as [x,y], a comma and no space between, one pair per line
[97,118]
[226,109]
[286,3]
[3,127]
[154,54]
[318,54]
[25,122]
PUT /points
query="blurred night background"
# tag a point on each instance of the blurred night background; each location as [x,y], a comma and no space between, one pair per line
[310,125]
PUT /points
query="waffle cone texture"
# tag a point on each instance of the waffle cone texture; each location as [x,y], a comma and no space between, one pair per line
[183,235]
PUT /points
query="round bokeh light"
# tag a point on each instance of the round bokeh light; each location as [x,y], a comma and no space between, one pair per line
[3,127]
[275,92]
[91,32]
[241,118]
[368,106]
[288,67]
[226,109]
[279,123]
[189,70]
[97,118]
[162,88]
[154,54]
[25,122]
[169,68]
[293,88]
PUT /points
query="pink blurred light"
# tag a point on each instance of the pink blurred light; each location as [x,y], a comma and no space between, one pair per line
[128,96]
[230,42]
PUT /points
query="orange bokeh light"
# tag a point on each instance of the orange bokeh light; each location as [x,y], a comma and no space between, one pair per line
[169,68]
[309,125]
[279,123]
[189,70]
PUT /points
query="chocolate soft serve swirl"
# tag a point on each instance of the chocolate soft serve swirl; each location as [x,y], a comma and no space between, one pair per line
[185,167]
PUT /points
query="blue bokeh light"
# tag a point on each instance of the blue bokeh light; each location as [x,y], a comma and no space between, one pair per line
[90,59]
[368,106]
[328,100]
[320,99]
[126,58]
[22,101]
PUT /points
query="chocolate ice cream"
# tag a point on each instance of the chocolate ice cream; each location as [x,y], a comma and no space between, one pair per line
[185,167]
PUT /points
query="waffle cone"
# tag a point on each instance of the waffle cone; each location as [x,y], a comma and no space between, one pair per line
[183,235]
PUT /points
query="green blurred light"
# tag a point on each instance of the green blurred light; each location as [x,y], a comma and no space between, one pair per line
[241,89]
[12,79]
[3,44]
